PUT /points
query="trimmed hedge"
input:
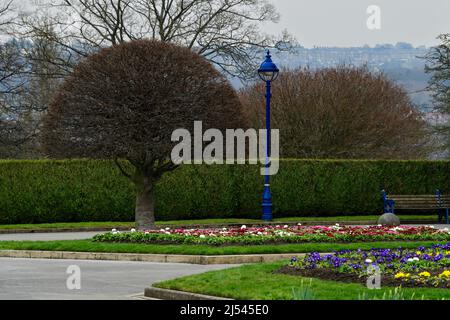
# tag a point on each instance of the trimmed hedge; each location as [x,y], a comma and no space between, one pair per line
[91,190]
[63,191]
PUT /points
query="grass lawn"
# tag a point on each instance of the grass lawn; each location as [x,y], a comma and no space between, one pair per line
[258,282]
[129,225]
[90,246]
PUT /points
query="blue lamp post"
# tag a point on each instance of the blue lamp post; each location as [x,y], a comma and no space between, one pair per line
[268,72]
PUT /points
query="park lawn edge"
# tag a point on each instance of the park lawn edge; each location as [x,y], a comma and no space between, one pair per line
[91,246]
[259,282]
[111,224]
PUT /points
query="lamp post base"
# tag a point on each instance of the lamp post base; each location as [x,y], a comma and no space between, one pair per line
[267,204]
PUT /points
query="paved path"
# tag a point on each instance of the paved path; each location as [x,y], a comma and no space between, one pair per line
[100,280]
[47,236]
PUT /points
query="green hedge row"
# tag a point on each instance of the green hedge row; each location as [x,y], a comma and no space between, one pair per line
[88,190]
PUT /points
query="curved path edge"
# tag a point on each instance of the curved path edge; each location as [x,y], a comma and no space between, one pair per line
[163,258]
[166,294]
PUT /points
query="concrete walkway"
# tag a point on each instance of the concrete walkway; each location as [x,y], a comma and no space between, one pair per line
[100,280]
[47,236]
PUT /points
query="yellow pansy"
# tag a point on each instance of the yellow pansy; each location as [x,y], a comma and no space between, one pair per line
[402,275]
[418,253]
[445,274]
[425,274]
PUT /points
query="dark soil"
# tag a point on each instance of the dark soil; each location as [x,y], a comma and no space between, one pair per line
[327,274]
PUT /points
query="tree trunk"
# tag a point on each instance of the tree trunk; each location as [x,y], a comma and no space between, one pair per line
[145,212]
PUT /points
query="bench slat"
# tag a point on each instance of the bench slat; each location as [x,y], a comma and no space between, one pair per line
[412,195]
[416,205]
[418,197]
[413,199]
[417,208]
[416,201]
[420,202]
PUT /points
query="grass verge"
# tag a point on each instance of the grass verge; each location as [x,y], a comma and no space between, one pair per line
[258,282]
[90,246]
[111,225]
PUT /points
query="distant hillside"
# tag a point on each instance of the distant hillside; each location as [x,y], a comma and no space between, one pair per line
[401,63]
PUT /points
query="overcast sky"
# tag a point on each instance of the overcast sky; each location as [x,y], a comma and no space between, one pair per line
[343,22]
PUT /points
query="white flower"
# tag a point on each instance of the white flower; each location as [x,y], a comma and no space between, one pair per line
[286,226]
[416,259]
[432,227]
[260,233]
[369,261]
[380,225]
[337,224]
[410,260]
[167,228]
[202,236]
[243,227]
[133,230]
[299,224]
[114,230]
[224,229]
[162,230]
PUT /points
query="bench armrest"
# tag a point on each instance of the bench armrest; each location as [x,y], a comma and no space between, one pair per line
[389,204]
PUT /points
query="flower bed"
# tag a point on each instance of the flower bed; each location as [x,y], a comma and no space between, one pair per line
[423,267]
[278,234]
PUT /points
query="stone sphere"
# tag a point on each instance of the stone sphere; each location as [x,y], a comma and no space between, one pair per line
[389,219]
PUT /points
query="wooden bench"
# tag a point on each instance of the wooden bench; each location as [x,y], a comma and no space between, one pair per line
[438,201]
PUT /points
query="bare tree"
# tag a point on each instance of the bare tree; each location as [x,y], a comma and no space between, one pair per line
[26,87]
[438,65]
[16,126]
[339,113]
[125,102]
[12,131]
[226,32]
[5,13]
[64,32]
